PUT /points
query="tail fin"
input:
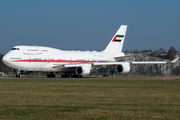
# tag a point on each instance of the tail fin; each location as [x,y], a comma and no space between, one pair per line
[116,44]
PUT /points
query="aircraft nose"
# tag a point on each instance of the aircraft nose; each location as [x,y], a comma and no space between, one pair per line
[5,59]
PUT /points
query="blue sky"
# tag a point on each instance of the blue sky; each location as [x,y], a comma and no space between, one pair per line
[89,25]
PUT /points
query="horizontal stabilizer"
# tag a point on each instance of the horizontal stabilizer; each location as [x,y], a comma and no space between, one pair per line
[120,57]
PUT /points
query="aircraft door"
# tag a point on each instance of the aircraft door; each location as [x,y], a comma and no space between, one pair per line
[70,59]
[48,59]
[29,58]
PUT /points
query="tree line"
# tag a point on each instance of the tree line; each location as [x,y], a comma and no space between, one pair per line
[161,53]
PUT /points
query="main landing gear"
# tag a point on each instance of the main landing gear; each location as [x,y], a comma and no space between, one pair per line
[51,75]
[72,76]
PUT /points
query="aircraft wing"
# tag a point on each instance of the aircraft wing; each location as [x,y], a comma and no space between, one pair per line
[150,62]
[137,62]
[154,62]
[122,67]
[107,63]
[111,63]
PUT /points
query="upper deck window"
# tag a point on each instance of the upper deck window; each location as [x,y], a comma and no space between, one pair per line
[34,50]
[15,49]
[44,50]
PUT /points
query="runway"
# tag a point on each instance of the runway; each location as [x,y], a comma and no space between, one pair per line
[102,78]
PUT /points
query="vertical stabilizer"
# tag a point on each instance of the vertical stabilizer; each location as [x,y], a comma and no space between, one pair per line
[116,44]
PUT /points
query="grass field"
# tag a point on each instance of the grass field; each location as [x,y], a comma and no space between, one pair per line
[79,99]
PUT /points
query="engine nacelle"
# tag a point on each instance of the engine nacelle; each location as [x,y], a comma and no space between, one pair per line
[124,67]
[82,70]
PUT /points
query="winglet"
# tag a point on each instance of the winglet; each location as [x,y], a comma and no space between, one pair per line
[175,60]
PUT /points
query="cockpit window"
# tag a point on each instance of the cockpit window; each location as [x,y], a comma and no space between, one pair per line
[15,49]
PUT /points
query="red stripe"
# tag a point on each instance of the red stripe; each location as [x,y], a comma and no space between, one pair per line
[114,38]
[58,61]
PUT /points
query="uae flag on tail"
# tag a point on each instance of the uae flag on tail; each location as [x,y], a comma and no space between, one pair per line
[118,38]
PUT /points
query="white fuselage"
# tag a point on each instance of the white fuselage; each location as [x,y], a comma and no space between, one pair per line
[38,58]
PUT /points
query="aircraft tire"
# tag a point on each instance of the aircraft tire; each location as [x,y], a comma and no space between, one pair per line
[64,76]
[18,75]
[51,75]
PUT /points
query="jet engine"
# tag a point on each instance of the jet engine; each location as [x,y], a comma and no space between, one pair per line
[123,68]
[82,70]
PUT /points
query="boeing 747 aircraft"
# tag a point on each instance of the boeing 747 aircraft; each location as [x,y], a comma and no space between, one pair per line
[71,63]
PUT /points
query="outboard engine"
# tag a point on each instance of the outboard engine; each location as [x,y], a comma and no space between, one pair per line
[123,68]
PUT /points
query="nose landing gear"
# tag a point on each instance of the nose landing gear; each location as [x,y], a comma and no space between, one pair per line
[18,74]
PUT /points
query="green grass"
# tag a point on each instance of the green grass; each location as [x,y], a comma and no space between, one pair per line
[89,99]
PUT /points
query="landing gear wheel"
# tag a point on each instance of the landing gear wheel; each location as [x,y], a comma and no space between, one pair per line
[18,75]
[51,75]
[76,76]
[79,76]
[64,76]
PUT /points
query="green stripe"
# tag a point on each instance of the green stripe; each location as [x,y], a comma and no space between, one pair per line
[120,36]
